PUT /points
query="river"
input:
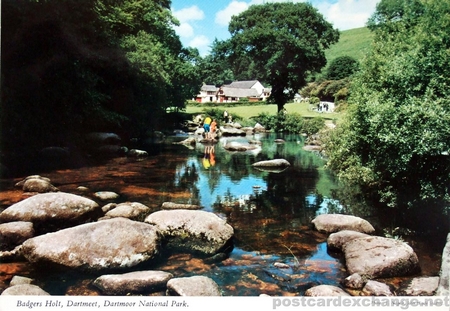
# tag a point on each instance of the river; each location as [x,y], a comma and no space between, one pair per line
[270,211]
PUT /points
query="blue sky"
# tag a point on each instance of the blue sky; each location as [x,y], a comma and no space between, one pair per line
[201,21]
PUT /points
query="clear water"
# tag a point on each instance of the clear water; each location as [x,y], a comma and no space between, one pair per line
[270,211]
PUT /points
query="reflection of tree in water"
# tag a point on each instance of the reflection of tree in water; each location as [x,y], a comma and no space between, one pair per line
[186,177]
[264,215]
[237,165]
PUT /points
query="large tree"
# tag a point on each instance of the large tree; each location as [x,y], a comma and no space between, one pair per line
[72,66]
[282,43]
[396,140]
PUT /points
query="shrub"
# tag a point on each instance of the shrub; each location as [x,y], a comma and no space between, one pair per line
[342,67]
[312,126]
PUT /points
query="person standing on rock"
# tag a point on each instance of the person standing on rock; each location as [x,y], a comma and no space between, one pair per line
[213,129]
[206,127]
[225,116]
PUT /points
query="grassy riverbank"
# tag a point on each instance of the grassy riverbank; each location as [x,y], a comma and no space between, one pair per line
[246,112]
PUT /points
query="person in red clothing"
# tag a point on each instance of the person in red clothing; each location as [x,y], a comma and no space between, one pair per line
[213,129]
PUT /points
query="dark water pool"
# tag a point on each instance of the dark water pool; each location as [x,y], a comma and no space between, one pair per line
[270,211]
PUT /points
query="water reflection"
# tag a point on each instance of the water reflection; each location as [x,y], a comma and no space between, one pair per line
[270,211]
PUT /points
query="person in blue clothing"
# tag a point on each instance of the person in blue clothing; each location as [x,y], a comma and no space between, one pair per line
[206,126]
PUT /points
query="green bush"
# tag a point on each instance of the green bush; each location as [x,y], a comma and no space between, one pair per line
[217,114]
[290,122]
[312,126]
[342,67]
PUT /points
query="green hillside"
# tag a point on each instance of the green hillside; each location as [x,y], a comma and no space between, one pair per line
[352,42]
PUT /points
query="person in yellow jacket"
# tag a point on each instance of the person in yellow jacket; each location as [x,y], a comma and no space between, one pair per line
[206,126]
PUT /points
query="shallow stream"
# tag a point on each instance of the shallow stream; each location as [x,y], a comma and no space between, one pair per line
[270,211]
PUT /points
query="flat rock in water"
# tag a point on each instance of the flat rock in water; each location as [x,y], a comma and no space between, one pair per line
[52,210]
[139,282]
[19,280]
[235,146]
[25,290]
[375,288]
[330,223]
[354,281]
[171,205]
[272,163]
[38,185]
[22,182]
[231,131]
[377,257]
[420,286]
[337,240]
[15,233]
[106,195]
[193,286]
[130,210]
[116,243]
[325,290]
[192,231]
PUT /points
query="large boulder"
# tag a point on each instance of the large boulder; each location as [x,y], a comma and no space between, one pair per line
[376,257]
[272,163]
[192,231]
[25,290]
[116,243]
[338,239]
[15,233]
[51,211]
[193,286]
[138,282]
[330,223]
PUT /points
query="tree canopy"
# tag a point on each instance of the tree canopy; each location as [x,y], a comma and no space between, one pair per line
[342,67]
[73,66]
[279,44]
[396,139]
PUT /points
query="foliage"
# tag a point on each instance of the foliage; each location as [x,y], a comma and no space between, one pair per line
[282,43]
[341,68]
[218,114]
[313,125]
[213,68]
[73,66]
[394,144]
[328,90]
[290,123]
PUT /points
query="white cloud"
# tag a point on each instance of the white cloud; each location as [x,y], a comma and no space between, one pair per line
[184,30]
[347,14]
[223,17]
[343,14]
[202,43]
[187,17]
[191,13]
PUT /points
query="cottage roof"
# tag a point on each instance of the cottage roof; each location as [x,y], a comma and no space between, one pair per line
[208,88]
[243,84]
[239,92]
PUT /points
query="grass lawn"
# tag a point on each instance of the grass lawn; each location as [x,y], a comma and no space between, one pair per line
[246,112]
